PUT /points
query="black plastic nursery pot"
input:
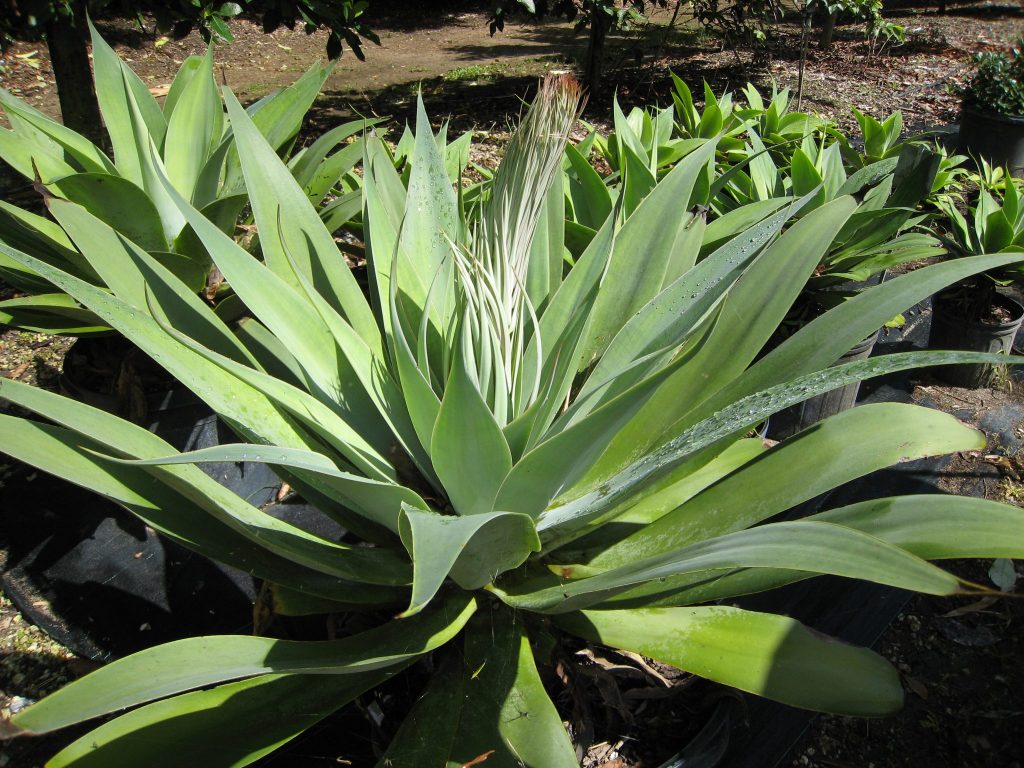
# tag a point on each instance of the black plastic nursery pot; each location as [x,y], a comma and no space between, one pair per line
[996,137]
[952,330]
[799,417]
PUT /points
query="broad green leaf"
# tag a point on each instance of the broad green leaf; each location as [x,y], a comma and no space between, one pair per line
[51,313]
[812,547]
[652,230]
[730,421]
[77,149]
[467,448]
[486,704]
[661,323]
[379,501]
[750,313]
[839,449]
[278,118]
[186,72]
[772,656]
[200,729]
[938,527]
[933,527]
[194,129]
[64,454]
[184,665]
[299,236]
[827,338]
[131,115]
[119,203]
[31,160]
[590,197]
[143,282]
[472,549]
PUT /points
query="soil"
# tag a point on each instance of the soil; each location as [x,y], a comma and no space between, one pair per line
[962,671]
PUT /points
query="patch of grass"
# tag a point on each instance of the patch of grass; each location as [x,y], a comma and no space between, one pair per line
[476,72]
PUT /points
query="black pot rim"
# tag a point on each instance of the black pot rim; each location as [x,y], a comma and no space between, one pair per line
[1008,302]
[988,114]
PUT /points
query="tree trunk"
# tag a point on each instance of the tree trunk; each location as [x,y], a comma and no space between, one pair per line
[595,51]
[827,30]
[69,56]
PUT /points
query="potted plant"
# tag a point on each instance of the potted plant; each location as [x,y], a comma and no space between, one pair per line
[976,314]
[992,121]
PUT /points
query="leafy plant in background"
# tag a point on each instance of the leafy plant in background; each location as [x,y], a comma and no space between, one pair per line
[521,454]
[188,139]
[994,223]
[998,82]
[63,25]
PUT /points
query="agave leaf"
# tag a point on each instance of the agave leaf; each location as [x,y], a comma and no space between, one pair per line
[488,701]
[278,118]
[546,252]
[737,222]
[185,665]
[732,419]
[354,563]
[200,728]
[827,338]
[637,179]
[119,203]
[377,500]
[50,313]
[314,415]
[837,450]
[30,122]
[473,549]
[812,547]
[188,69]
[559,461]
[194,128]
[652,230]
[750,313]
[429,225]
[467,447]
[617,525]
[301,236]
[771,656]
[938,527]
[30,160]
[306,165]
[143,282]
[65,454]
[661,323]
[933,527]
[591,200]
[130,113]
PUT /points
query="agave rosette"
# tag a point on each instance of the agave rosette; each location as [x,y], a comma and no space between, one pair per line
[514,446]
[187,141]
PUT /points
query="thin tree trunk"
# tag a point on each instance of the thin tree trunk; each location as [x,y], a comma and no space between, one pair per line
[595,52]
[828,29]
[69,56]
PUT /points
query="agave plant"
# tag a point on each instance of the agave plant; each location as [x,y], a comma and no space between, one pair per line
[188,140]
[521,453]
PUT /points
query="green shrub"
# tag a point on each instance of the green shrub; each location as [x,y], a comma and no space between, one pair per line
[998,82]
[520,453]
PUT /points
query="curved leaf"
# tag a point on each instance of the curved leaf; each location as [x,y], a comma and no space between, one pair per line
[474,549]
[487,705]
[772,656]
[184,665]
